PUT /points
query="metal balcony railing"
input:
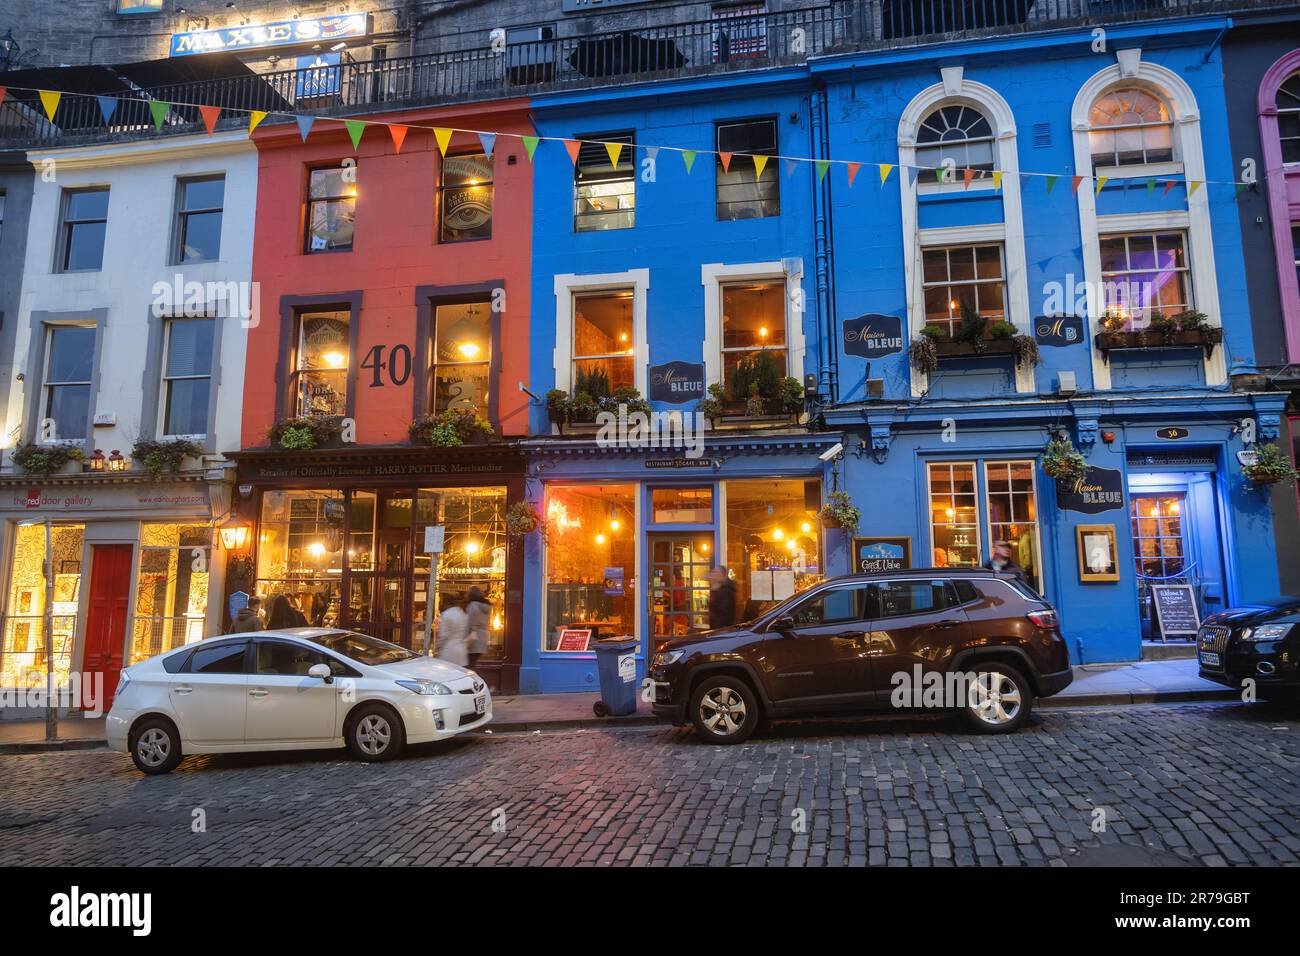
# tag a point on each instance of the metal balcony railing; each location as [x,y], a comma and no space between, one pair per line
[480,73]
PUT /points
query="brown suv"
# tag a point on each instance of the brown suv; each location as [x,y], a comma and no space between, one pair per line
[968,640]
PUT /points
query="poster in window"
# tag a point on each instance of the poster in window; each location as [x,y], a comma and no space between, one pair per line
[574,639]
[1097,556]
[613,582]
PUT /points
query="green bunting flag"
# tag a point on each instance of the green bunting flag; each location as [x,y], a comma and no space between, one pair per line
[822,165]
[355,129]
[1241,187]
[159,110]
[1051,184]
[1151,187]
[688,157]
[530,145]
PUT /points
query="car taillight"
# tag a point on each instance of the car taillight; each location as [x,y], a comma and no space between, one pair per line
[1045,618]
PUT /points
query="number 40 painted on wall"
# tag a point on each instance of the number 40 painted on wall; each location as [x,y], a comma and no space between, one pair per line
[398,365]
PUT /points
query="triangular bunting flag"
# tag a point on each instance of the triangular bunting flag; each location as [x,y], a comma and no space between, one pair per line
[997,179]
[443,136]
[1170,184]
[398,132]
[885,170]
[1151,187]
[1101,181]
[304,125]
[726,161]
[912,173]
[1240,188]
[159,109]
[210,116]
[50,100]
[966,176]
[489,142]
[107,106]
[355,129]
[255,117]
[1192,187]
[1051,184]
[688,157]
[1074,183]
[652,153]
[760,163]
[574,148]
[790,167]
[530,145]
[938,174]
[3,91]
[853,171]
[615,150]
[822,165]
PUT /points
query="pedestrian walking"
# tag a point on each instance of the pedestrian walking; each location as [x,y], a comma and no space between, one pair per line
[479,612]
[453,632]
[284,614]
[1001,562]
[722,598]
[249,617]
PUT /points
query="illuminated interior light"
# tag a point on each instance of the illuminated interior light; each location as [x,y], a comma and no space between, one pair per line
[335,359]
[469,349]
[777,534]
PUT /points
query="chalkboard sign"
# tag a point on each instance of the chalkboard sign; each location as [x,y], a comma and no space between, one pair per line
[1176,611]
[1058,330]
[1100,489]
[881,554]
[676,383]
[873,336]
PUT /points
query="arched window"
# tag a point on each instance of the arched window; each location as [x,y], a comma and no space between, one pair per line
[956,132]
[1130,127]
[1288,118]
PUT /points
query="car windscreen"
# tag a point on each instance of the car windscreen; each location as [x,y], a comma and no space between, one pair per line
[362,648]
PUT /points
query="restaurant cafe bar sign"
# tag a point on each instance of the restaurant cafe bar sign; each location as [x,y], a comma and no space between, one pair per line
[264,35]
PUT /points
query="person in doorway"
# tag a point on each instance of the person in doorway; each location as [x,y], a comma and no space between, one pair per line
[249,617]
[722,598]
[453,632]
[479,612]
[284,614]
[1001,562]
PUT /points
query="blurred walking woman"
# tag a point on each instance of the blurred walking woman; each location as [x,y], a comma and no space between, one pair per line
[479,612]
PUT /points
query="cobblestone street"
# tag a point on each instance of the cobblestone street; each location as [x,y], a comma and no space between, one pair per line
[1202,784]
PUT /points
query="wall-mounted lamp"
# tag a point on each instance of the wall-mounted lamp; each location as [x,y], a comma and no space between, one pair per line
[234,534]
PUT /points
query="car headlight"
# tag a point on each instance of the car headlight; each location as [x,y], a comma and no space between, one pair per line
[430,688]
[1266,632]
[664,658]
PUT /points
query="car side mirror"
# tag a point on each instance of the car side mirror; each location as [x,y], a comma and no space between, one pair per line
[322,671]
[783,625]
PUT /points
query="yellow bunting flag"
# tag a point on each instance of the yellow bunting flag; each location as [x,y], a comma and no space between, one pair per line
[1101,181]
[1192,186]
[443,136]
[885,170]
[255,117]
[50,100]
[398,132]
[760,162]
[615,150]
[997,179]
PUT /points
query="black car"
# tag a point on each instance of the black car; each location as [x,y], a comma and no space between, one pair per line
[1259,641]
[968,640]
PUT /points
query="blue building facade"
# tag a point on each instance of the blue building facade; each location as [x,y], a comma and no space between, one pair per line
[1068,193]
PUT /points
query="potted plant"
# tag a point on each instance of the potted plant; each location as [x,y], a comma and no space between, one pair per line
[45,459]
[924,352]
[557,407]
[840,512]
[791,395]
[756,389]
[714,406]
[1027,354]
[624,395]
[304,432]
[522,519]
[164,456]
[451,428]
[1063,461]
[1271,465]
[1186,329]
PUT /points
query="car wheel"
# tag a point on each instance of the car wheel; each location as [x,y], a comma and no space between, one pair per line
[998,700]
[724,710]
[375,733]
[155,746]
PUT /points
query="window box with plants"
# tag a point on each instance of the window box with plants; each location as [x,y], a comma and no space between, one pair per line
[1175,330]
[305,432]
[46,460]
[592,395]
[975,337]
[755,390]
[452,428]
[159,457]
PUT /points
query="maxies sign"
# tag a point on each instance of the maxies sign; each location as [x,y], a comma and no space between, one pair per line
[282,33]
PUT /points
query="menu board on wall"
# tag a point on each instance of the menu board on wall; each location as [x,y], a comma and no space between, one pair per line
[574,639]
[1176,611]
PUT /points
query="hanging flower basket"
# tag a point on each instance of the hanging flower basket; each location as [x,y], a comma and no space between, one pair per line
[522,519]
[840,512]
[1063,461]
[1270,466]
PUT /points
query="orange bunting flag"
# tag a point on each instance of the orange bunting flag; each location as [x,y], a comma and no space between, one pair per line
[1170,184]
[853,171]
[1074,183]
[210,116]
[760,163]
[967,175]
[726,161]
[255,117]
[50,101]
[615,150]
[574,147]
[885,170]
[3,90]
[443,136]
[398,132]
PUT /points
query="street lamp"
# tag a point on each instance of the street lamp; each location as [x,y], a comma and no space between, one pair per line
[234,534]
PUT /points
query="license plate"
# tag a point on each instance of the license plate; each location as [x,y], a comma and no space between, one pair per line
[1210,659]
[480,704]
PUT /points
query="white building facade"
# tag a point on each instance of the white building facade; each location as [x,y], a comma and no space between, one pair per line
[127,386]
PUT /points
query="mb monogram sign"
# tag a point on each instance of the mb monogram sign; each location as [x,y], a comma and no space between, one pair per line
[1100,489]
[1058,330]
[873,336]
[676,383]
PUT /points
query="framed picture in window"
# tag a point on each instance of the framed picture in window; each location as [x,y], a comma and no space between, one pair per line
[1097,553]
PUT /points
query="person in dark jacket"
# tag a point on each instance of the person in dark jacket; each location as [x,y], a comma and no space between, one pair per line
[249,617]
[722,598]
[1001,562]
[284,614]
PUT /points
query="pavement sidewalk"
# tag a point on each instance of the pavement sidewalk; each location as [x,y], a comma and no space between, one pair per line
[1143,682]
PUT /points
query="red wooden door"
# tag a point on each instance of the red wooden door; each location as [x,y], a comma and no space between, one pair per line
[110,587]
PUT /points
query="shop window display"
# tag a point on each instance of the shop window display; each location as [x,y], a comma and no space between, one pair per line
[954,515]
[773,541]
[23,655]
[475,555]
[590,564]
[171,591]
[300,551]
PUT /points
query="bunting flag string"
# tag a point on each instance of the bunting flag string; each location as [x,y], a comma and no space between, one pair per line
[572,146]
[211,115]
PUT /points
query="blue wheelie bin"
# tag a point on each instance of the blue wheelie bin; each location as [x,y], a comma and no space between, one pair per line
[616,665]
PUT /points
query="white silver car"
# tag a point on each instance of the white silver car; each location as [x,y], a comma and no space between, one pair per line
[303,688]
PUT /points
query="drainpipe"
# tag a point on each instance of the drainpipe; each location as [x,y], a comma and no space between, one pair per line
[828,380]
